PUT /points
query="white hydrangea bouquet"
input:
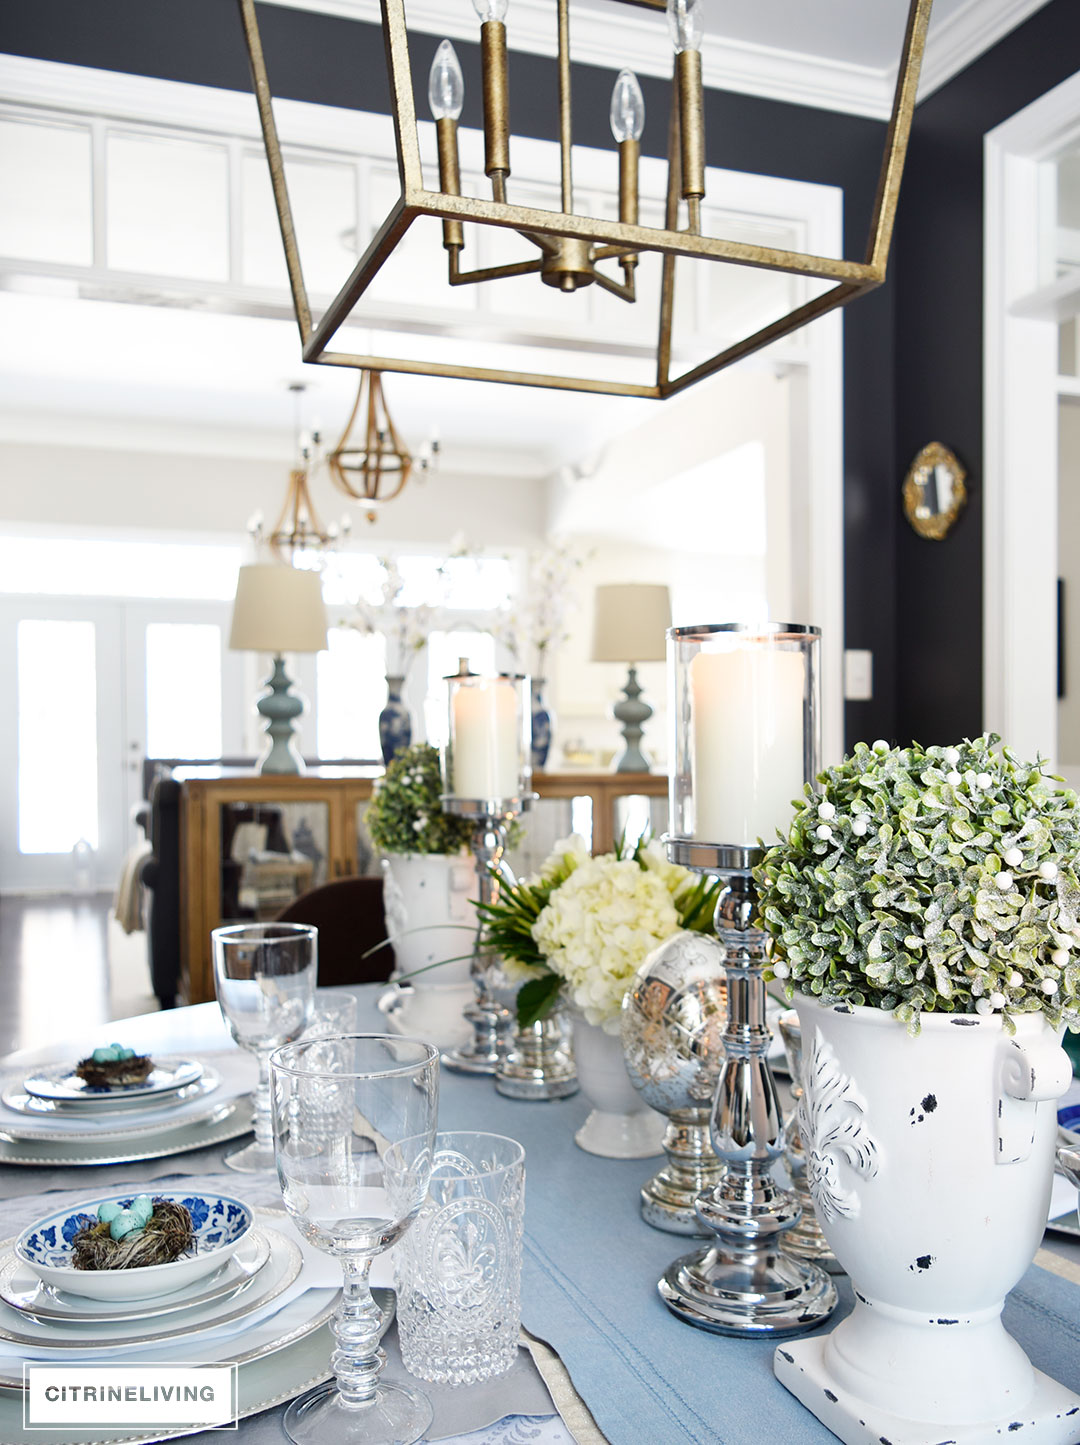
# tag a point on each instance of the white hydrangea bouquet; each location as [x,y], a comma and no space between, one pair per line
[577,931]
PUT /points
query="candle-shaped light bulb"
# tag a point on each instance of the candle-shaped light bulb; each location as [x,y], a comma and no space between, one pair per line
[686,22]
[446,84]
[627,107]
[491,9]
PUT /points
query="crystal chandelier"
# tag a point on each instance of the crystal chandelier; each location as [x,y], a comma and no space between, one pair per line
[574,250]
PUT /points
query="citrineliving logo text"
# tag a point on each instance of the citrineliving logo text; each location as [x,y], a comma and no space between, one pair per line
[199,1396]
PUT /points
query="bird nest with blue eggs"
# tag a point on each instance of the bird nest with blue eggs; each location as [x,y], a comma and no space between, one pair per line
[149,1231]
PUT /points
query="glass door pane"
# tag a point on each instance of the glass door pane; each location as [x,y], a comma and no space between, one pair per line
[183,690]
[58,740]
[62,797]
[350,693]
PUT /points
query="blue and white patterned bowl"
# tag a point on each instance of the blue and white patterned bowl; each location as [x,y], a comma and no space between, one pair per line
[221,1223]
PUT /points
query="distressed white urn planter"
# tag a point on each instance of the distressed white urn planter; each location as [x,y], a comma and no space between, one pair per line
[429,919]
[621,1125]
[930,1161]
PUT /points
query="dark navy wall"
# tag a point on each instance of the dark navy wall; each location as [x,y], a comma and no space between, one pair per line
[938,274]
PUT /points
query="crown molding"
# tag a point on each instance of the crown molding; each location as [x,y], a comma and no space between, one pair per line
[643,46]
[727,65]
[961,38]
[739,66]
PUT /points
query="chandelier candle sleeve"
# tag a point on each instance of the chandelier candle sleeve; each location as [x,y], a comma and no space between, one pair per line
[446,96]
[496,93]
[686,24]
[486,737]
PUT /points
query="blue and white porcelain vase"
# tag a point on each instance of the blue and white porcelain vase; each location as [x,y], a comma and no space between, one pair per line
[542,723]
[395,724]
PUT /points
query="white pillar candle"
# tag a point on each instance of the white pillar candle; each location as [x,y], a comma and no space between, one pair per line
[747,720]
[487,753]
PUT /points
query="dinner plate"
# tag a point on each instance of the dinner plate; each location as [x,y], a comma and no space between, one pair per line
[14,1096]
[61,1084]
[273,1280]
[71,1126]
[230,1120]
[21,1288]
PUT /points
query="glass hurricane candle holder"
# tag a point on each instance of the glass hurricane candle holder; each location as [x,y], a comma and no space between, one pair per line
[746,719]
[487,775]
[489,740]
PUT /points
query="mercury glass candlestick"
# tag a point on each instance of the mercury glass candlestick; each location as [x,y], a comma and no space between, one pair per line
[745,704]
[486,776]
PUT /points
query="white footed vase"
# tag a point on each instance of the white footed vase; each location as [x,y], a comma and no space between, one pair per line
[930,1163]
[620,1126]
[429,920]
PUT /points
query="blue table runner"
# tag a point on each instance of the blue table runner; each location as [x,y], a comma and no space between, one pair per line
[589,1290]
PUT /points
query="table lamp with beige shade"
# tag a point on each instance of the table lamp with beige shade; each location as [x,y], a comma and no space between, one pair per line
[630,622]
[279,609]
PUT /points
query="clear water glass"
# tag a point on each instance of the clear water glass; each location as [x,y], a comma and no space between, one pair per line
[353,1186]
[458,1270]
[264,974]
[334,1012]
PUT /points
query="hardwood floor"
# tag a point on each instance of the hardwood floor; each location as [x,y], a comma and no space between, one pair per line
[66,965]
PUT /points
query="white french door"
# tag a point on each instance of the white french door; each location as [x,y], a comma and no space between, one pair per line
[61,778]
[94,686]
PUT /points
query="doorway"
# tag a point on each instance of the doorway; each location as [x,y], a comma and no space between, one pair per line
[1030,290]
[99,684]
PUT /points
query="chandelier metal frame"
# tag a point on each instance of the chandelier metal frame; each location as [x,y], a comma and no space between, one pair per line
[614,238]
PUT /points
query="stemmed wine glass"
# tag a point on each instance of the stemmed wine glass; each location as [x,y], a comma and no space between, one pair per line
[354,1129]
[264,974]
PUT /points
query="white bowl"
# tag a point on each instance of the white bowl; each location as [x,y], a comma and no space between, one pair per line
[220,1224]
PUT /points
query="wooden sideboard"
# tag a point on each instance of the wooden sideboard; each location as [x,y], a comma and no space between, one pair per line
[325,804]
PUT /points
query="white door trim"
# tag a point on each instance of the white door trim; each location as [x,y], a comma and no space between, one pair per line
[1020,424]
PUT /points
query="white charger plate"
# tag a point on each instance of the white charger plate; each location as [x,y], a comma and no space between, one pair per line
[280,1271]
[61,1084]
[122,1123]
[21,1288]
[230,1120]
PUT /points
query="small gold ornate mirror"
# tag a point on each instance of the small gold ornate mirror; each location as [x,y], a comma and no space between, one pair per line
[934,492]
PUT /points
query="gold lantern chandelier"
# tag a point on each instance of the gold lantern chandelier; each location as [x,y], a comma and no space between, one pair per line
[574,250]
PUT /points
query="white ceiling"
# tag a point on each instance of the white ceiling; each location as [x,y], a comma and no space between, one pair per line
[147,378]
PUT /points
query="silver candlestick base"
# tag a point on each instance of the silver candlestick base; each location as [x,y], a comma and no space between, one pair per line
[745,1283]
[806,1239]
[490,1020]
[538,1062]
[669,1198]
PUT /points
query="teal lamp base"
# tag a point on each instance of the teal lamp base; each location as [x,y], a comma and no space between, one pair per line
[280,706]
[633,714]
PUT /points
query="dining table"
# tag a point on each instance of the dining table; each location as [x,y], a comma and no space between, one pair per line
[601,1358]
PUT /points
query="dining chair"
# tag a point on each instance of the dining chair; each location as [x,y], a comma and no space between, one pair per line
[351,920]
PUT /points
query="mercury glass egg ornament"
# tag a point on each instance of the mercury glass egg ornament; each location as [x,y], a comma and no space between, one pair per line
[673,1020]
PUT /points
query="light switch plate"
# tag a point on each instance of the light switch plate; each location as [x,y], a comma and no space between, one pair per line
[858,675]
